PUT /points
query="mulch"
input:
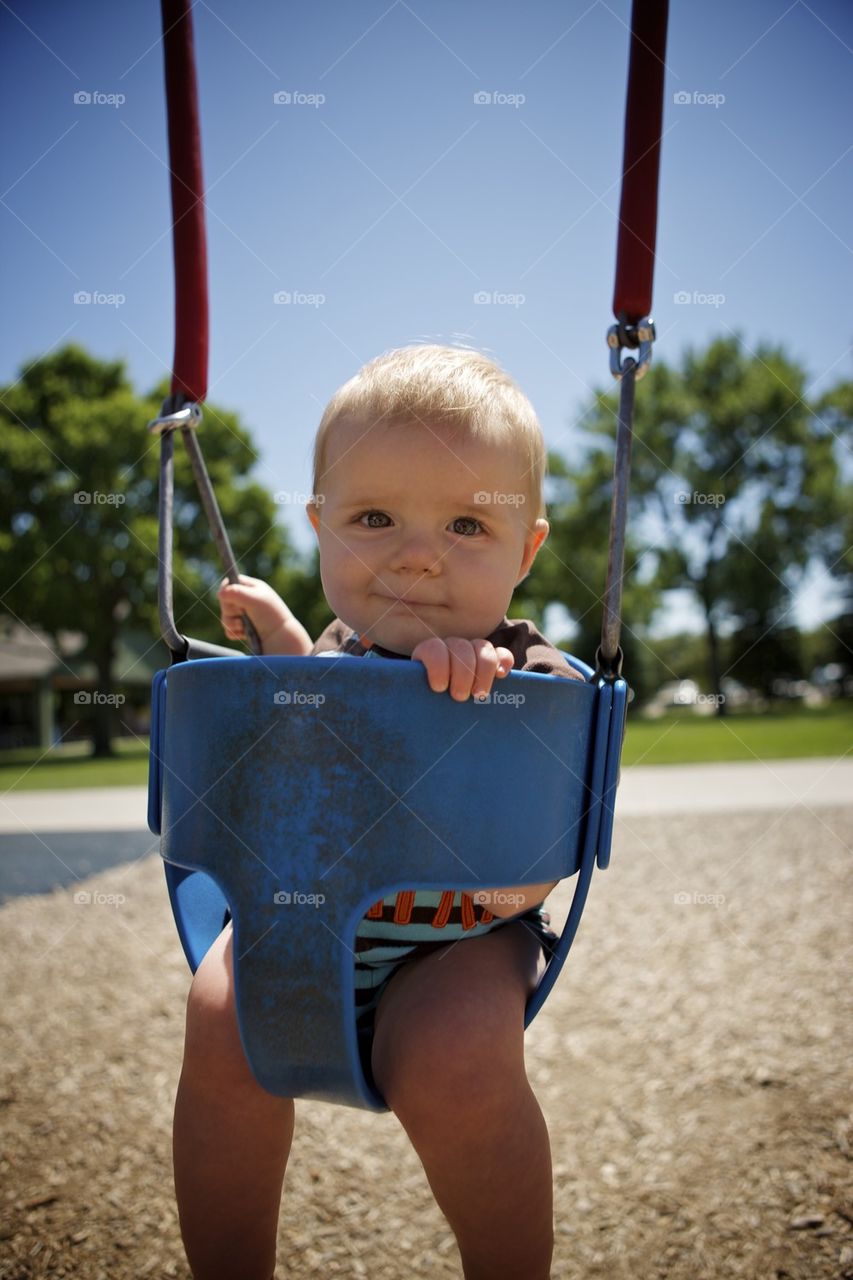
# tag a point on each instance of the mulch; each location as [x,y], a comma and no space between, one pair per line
[692,1065]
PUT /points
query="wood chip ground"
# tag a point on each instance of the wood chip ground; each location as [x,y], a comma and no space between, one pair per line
[692,1064]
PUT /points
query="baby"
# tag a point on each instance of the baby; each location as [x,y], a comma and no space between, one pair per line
[427,506]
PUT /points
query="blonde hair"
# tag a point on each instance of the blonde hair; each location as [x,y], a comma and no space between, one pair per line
[448,387]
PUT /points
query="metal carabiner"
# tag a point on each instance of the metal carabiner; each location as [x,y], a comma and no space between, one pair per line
[631,337]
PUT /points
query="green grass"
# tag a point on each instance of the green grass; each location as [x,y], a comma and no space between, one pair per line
[772,735]
[72,766]
[678,738]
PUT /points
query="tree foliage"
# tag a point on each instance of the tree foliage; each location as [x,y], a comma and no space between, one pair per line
[78,494]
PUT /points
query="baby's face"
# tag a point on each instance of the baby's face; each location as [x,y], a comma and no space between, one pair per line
[421,534]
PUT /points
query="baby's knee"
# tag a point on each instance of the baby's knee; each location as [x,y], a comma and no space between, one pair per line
[450,1072]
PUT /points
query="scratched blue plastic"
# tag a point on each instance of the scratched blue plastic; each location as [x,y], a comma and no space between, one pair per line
[337,782]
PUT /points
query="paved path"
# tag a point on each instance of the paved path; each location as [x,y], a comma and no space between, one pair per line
[49,839]
[649,789]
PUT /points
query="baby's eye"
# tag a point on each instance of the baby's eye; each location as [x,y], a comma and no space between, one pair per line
[374,519]
[470,526]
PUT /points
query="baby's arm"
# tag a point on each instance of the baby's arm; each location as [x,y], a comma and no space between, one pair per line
[278,630]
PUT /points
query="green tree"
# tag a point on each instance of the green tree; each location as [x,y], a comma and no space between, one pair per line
[735,488]
[78,496]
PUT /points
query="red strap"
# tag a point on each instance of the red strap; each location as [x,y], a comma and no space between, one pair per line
[635,253]
[189,367]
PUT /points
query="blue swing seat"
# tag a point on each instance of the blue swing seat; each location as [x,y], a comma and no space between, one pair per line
[296,792]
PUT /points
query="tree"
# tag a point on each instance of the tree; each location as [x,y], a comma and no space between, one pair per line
[78,496]
[735,487]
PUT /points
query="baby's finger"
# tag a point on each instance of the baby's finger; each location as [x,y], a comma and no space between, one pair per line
[506,661]
[435,657]
[487,668]
[463,667]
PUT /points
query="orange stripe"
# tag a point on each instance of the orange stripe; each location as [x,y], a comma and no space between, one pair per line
[375,912]
[485,916]
[403,905]
[445,907]
[468,917]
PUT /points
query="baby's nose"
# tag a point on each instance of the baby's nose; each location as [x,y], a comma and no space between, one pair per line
[416,553]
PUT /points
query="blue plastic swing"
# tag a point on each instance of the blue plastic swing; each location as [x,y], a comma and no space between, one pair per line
[294,792]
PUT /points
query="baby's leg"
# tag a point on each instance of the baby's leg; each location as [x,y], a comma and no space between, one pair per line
[231,1137]
[448,1056]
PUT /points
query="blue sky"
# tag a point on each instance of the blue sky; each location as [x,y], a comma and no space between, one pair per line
[397,198]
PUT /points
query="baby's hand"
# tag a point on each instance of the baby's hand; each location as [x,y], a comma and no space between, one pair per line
[465,667]
[264,608]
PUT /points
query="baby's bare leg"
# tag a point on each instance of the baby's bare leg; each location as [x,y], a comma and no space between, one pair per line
[448,1056]
[231,1138]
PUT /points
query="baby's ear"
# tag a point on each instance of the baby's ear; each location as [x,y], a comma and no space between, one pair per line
[313,514]
[534,538]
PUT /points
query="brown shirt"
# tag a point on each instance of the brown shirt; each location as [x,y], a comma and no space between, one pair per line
[529,648]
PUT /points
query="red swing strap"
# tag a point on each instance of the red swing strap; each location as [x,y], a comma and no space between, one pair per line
[182,409]
[638,209]
[189,366]
[632,295]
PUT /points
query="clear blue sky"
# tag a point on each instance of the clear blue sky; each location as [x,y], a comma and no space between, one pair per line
[398,198]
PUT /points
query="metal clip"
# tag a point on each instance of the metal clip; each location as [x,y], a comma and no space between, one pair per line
[189,415]
[632,336]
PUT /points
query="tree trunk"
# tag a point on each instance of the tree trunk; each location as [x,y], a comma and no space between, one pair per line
[713,650]
[103,697]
